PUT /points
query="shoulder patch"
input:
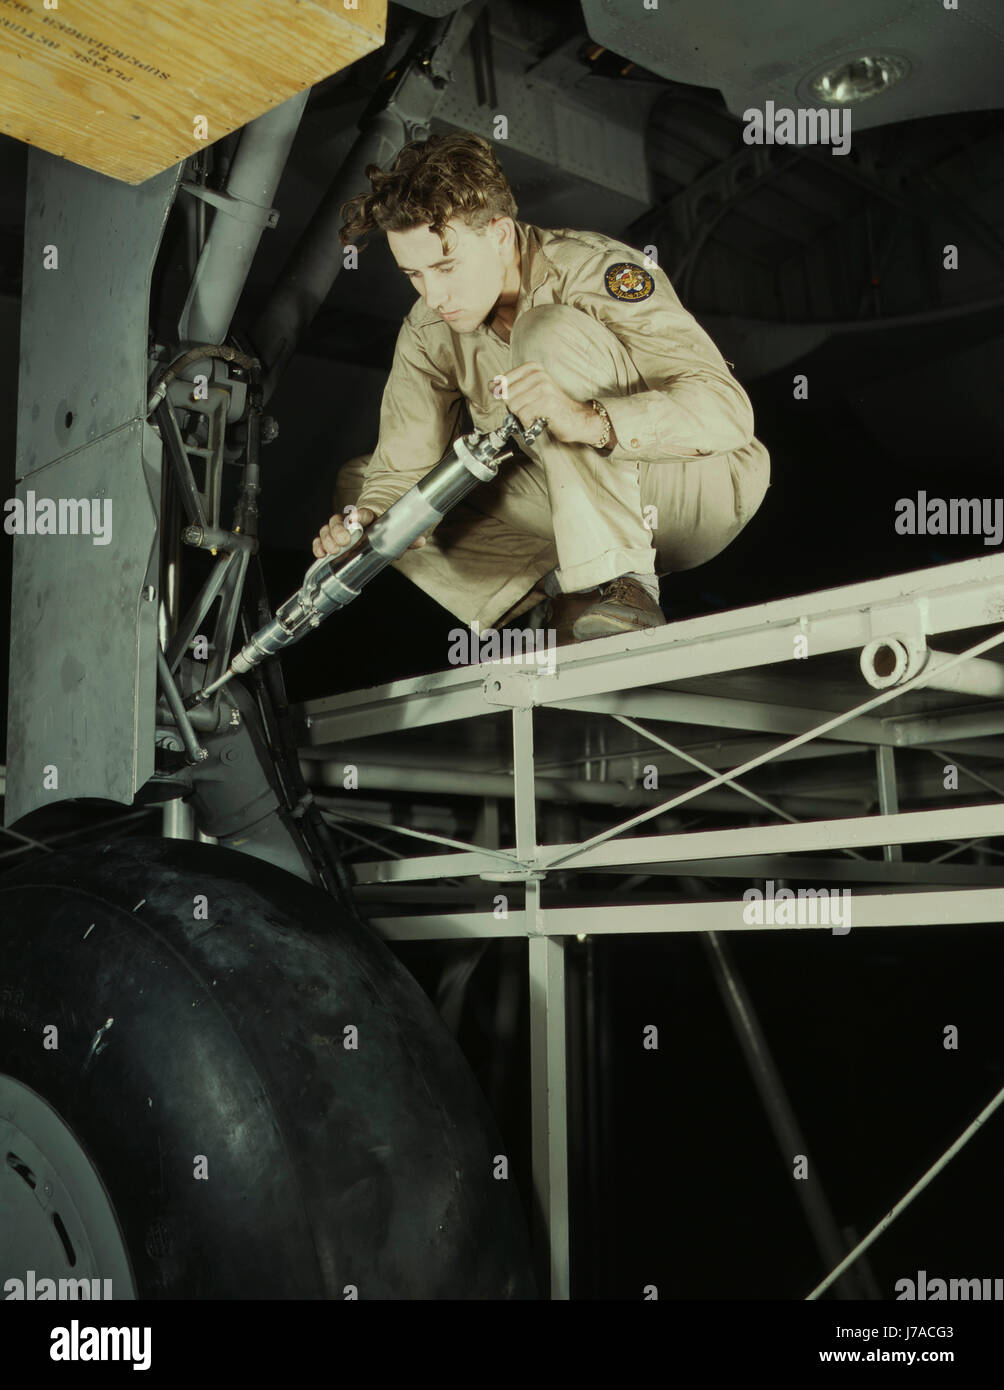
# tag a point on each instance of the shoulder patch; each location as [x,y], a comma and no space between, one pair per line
[625,280]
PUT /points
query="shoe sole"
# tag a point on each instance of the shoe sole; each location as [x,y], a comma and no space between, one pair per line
[588,628]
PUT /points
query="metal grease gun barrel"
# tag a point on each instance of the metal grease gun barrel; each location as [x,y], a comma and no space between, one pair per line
[334,581]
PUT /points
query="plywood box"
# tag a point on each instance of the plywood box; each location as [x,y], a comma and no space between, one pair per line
[120,85]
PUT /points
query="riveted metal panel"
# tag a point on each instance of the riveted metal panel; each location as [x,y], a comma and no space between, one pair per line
[83,636]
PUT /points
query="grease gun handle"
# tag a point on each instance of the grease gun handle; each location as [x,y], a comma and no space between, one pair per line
[355,529]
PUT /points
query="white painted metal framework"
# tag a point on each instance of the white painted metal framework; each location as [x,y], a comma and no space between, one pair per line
[776,689]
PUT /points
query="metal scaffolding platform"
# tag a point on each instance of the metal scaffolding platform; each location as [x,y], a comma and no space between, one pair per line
[764,713]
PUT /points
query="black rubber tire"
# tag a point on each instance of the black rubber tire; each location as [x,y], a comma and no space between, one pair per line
[328,1169]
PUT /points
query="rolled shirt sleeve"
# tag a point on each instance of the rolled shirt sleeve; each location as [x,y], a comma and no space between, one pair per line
[694,405]
[419,418]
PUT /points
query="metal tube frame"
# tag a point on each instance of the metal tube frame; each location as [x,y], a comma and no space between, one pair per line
[610,676]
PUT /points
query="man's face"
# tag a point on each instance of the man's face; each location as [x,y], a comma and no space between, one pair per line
[463,284]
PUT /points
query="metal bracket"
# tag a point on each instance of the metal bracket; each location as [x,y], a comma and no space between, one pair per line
[525,875]
[511,689]
[238,208]
[907,620]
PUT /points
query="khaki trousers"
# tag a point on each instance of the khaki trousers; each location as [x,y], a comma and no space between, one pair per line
[566,506]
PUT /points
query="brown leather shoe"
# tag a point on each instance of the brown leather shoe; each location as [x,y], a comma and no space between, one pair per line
[621,605]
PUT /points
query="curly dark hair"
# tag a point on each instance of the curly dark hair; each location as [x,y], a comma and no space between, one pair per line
[431,183]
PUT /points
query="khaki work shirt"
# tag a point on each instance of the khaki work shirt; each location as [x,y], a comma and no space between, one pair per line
[693,405]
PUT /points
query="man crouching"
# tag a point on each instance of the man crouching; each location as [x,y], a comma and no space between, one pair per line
[648,463]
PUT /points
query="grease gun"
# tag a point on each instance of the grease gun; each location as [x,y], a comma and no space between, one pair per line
[334,581]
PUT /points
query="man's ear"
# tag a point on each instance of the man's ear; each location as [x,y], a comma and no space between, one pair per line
[505,231]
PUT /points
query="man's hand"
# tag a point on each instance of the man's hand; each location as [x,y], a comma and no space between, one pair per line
[530,391]
[334,535]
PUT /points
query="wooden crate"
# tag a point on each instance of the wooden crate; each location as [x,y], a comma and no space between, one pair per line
[119,85]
